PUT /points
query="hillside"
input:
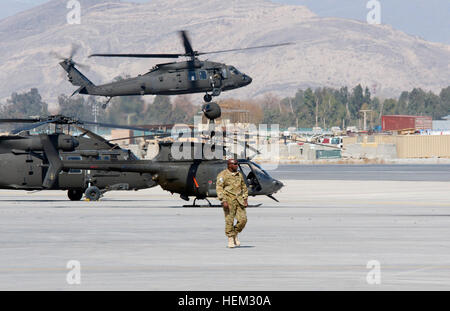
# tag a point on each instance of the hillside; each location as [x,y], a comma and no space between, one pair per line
[328,52]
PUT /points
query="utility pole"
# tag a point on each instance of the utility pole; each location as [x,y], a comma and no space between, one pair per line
[95,113]
[317,112]
[365,117]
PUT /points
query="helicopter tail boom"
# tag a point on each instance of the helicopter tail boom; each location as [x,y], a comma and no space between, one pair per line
[76,77]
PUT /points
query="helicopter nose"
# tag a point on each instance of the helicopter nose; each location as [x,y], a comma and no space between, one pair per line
[277,185]
[247,79]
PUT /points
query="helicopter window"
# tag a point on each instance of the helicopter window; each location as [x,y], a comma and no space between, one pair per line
[233,70]
[250,178]
[224,73]
[258,169]
[202,74]
[106,158]
[192,75]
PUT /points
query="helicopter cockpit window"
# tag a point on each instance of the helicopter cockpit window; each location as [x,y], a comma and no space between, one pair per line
[258,169]
[234,71]
[224,73]
[202,74]
[192,75]
[250,179]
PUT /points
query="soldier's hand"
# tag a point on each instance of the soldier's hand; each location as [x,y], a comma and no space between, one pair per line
[245,203]
[225,204]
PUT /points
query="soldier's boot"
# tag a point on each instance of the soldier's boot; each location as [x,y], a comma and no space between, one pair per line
[231,242]
[236,241]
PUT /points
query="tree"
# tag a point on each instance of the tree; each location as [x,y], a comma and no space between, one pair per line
[80,107]
[126,110]
[356,101]
[25,105]
[445,101]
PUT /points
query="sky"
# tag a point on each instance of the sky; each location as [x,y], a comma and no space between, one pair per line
[428,19]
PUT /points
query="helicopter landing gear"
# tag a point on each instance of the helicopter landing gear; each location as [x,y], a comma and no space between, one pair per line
[195,205]
[93,193]
[106,104]
[216,91]
[75,194]
[207,98]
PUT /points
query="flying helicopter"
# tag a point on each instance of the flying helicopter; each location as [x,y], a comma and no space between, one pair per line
[25,166]
[174,78]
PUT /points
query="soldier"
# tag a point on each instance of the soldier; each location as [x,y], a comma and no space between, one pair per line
[233,193]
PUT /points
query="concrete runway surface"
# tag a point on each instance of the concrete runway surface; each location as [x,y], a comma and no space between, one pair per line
[320,236]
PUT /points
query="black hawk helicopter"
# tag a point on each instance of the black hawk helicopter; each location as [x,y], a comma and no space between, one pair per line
[175,78]
[25,165]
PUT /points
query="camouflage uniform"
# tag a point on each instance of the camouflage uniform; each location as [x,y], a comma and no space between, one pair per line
[231,188]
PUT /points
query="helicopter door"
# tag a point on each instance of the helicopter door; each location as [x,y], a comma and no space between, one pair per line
[203,81]
[175,81]
[32,172]
[74,178]
[217,77]
[250,178]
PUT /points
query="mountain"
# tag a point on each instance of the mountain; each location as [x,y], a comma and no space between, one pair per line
[331,52]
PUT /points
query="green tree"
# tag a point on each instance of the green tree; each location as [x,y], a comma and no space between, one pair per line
[25,105]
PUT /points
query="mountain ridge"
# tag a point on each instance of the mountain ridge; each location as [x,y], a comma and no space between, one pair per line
[332,52]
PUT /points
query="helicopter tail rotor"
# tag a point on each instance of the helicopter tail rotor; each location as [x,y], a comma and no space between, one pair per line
[74,75]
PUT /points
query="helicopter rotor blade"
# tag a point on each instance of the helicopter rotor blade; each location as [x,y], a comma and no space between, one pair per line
[109,125]
[57,55]
[187,43]
[58,119]
[19,120]
[142,136]
[30,127]
[318,144]
[54,160]
[74,50]
[90,133]
[139,55]
[249,48]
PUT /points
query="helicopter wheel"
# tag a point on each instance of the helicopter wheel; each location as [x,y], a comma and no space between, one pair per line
[92,193]
[207,98]
[75,194]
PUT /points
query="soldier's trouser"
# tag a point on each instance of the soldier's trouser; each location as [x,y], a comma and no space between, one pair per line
[235,210]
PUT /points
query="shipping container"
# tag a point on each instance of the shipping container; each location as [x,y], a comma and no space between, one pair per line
[423,146]
[404,122]
[328,154]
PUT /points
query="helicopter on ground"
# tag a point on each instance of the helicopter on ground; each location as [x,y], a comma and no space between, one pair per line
[25,166]
[50,162]
[175,78]
[189,177]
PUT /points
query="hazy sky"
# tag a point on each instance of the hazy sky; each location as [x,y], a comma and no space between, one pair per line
[429,19]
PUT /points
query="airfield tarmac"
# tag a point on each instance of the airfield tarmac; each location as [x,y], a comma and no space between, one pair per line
[320,236]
